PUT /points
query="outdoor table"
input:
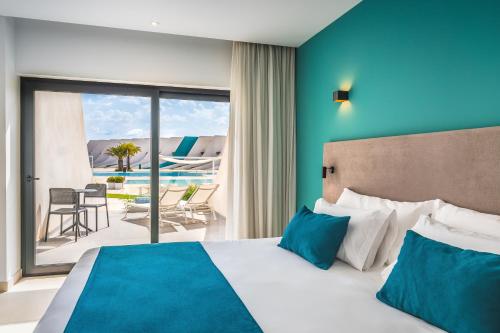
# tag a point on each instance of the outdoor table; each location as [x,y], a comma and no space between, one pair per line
[77,208]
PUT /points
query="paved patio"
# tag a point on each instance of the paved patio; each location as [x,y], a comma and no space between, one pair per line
[135,229]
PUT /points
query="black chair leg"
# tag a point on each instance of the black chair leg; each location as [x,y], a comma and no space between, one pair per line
[96,220]
[47,227]
[86,217]
[107,214]
[77,227]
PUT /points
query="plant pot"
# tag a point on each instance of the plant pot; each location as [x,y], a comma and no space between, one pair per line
[118,186]
[111,186]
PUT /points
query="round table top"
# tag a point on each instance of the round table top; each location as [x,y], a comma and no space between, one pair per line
[85,190]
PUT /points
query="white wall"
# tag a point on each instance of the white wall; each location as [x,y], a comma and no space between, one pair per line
[60,150]
[61,49]
[10,229]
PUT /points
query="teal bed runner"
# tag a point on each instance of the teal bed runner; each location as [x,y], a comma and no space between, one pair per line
[171,287]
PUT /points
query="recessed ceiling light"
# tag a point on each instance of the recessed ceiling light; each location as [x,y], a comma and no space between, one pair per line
[155,23]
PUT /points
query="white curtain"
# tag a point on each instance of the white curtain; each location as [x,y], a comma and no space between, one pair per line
[261,141]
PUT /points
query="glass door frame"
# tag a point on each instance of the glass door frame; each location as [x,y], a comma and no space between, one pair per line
[28,177]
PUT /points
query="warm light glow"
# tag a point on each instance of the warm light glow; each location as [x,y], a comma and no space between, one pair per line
[346,85]
[345,106]
[155,24]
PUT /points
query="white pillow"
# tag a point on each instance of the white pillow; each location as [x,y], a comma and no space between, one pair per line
[468,219]
[407,214]
[364,235]
[435,230]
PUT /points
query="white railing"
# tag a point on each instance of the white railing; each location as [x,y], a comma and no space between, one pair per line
[191,160]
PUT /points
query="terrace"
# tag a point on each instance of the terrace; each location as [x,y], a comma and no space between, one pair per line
[134,229]
[187,163]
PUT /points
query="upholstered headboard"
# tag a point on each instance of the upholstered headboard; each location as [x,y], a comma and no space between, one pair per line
[461,167]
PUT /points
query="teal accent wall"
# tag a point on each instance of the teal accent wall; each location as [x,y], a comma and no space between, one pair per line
[412,66]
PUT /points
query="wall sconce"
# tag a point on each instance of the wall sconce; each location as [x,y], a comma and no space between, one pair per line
[340,96]
[331,169]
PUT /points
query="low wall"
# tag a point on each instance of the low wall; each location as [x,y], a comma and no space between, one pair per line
[219,199]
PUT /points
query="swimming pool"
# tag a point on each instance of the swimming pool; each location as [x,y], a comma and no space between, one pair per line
[142,177]
[180,182]
[148,174]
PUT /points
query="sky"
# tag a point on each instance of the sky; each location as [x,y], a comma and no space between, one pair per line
[128,117]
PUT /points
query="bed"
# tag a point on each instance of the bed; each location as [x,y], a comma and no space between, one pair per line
[284,293]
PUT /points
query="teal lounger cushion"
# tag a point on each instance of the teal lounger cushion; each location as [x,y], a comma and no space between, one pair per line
[454,289]
[315,237]
[142,200]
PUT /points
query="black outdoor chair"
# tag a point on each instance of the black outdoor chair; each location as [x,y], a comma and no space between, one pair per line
[66,197]
[100,192]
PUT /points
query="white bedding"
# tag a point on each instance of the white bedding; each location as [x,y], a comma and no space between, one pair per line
[283,292]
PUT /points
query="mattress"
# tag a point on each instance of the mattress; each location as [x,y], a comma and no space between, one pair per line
[283,292]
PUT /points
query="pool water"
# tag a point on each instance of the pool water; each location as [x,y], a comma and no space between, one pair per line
[180,178]
[148,174]
[180,182]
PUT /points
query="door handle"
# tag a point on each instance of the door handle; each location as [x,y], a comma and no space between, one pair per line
[30,178]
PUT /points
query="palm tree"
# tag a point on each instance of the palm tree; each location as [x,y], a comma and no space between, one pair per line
[120,152]
[131,149]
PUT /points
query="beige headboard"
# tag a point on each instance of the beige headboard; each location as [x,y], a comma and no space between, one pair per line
[461,167]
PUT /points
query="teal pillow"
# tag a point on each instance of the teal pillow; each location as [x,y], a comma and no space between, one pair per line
[454,289]
[315,237]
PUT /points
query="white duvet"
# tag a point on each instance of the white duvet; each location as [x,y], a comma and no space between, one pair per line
[283,292]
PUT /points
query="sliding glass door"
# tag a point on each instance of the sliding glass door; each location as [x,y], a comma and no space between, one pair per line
[193,140]
[97,159]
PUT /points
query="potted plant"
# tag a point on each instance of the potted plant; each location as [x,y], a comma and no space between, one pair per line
[111,183]
[115,182]
[119,180]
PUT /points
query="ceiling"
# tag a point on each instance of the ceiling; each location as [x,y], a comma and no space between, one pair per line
[279,22]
